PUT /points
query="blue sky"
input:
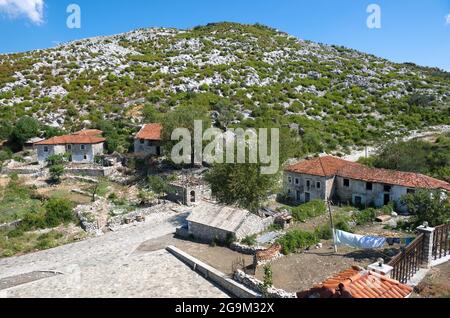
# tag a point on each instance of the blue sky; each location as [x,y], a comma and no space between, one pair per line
[411,30]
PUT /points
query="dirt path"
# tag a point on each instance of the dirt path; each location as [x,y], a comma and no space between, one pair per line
[436,284]
[218,257]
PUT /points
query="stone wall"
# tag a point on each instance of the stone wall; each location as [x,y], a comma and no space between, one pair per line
[232,286]
[265,256]
[10,226]
[245,249]
[258,286]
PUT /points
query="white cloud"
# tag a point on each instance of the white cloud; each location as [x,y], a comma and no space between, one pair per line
[32,9]
[447,19]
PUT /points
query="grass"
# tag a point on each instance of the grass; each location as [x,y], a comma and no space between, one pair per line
[16,242]
[249,240]
[16,201]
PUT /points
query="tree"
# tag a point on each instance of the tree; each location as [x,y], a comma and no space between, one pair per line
[56,167]
[157,185]
[428,206]
[241,184]
[56,173]
[24,129]
[398,156]
[184,117]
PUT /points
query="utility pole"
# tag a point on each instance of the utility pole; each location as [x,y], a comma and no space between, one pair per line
[332,226]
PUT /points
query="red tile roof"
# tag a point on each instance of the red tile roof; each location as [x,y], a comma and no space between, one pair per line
[406,179]
[358,283]
[72,139]
[89,132]
[150,132]
[331,166]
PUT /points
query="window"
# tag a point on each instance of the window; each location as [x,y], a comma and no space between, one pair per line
[69,147]
[82,147]
[346,183]
[290,179]
[410,191]
[85,157]
[308,184]
[45,149]
[297,181]
[142,141]
[387,188]
[318,185]
[369,186]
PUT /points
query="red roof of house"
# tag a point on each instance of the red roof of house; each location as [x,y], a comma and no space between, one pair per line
[150,132]
[72,139]
[331,166]
[89,132]
[406,179]
[358,283]
[321,166]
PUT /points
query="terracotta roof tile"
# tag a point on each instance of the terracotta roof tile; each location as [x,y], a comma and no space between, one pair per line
[89,132]
[321,166]
[331,166]
[358,283]
[72,139]
[150,132]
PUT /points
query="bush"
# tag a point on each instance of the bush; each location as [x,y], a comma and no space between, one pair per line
[297,239]
[58,211]
[309,210]
[249,240]
[366,216]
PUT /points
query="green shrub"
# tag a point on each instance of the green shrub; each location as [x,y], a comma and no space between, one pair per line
[309,210]
[366,216]
[250,240]
[58,211]
[297,239]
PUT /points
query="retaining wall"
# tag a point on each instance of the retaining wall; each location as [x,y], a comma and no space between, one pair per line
[214,275]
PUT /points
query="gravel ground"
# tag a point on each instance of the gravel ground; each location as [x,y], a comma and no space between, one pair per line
[298,272]
[109,266]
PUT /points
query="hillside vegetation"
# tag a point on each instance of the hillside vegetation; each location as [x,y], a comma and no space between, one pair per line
[247,75]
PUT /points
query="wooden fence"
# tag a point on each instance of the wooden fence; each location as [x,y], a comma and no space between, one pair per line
[441,241]
[409,260]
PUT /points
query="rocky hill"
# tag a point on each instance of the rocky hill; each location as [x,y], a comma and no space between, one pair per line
[243,74]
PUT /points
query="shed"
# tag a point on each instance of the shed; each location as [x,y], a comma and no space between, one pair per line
[217,222]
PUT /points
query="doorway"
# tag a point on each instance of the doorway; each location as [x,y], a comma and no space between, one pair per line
[307,197]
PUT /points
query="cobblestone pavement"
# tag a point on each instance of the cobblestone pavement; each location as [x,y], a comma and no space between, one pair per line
[110,266]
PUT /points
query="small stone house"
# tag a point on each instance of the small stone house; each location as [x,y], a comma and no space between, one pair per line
[81,147]
[147,141]
[343,181]
[189,190]
[210,222]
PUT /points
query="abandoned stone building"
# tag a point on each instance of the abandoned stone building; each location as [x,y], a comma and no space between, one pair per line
[210,222]
[331,178]
[81,147]
[189,190]
[147,141]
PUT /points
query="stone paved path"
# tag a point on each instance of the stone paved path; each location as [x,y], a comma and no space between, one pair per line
[110,266]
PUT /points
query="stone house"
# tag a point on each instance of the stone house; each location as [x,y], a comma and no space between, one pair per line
[147,141]
[210,222]
[331,178]
[189,190]
[81,147]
